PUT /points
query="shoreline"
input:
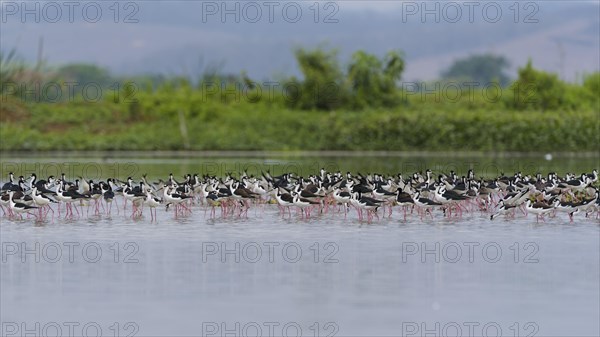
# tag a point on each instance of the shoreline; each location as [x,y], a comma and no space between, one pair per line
[283,154]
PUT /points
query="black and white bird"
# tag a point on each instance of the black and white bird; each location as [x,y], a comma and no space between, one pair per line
[342,198]
[304,204]
[9,184]
[152,202]
[538,208]
[577,184]
[425,203]
[503,210]
[20,208]
[40,199]
[566,207]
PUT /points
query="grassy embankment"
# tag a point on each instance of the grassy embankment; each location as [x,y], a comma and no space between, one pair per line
[153,119]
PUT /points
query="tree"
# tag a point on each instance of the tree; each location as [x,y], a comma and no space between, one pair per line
[373,81]
[479,68]
[537,89]
[85,74]
[592,83]
[322,87]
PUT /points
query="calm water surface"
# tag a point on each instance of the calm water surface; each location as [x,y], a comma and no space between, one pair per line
[160,164]
[265,275]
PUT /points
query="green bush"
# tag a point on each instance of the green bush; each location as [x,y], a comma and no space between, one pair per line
[374,113]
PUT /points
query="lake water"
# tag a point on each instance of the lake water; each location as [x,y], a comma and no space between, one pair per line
[327,276]
[160,164]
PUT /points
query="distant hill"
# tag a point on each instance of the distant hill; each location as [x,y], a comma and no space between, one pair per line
[171,38]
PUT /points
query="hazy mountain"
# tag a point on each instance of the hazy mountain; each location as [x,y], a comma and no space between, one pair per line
[182,37]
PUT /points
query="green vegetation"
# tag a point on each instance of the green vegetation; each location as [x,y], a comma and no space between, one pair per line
[373,81]
[322,78]
[84,73]
[364,106]
[480,69]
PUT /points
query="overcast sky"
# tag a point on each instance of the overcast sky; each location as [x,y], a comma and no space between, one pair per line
[187,37]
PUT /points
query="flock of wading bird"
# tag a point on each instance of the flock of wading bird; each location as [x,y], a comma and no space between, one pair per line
[325,193]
